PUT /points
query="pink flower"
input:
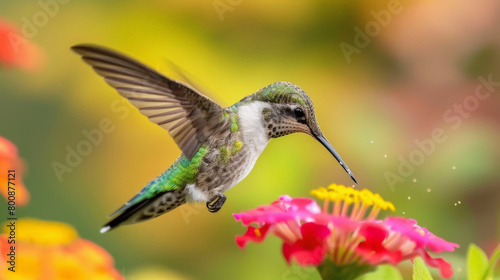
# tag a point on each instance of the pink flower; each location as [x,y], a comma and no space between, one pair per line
[344,232]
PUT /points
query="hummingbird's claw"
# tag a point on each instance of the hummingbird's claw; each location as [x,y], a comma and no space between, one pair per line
[215,204]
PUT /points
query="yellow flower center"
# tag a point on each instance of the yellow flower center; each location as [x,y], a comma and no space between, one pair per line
[42,232]
[348,201]
[257,232]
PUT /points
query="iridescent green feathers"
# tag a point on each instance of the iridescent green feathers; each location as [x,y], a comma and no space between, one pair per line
[284,93]
[181,173]
[161,195]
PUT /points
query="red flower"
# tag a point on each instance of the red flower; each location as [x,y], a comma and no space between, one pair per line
[15,50]
[348,236]
[9,160]
[310,249]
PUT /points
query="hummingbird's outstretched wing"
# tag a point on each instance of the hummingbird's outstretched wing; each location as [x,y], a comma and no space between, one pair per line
[185,113]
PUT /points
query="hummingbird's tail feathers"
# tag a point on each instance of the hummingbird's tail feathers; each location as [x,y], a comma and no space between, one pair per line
[134,200]
[136,211]
[123,215]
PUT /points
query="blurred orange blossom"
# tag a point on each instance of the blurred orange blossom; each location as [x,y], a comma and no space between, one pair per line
[10,160]
[16,50]
[52,250]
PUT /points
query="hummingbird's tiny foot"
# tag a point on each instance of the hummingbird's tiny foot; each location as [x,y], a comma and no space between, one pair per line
[215,204]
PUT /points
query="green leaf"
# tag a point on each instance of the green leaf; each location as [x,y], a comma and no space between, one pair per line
[488,274]
[477,262]
[383,272]
[420,271]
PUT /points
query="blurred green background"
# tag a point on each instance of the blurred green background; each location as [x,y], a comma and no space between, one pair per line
[383,76]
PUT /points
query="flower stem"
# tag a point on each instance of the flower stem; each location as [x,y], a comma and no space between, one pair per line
[331,271]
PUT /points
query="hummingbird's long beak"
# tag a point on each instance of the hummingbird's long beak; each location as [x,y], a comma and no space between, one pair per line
[330,148]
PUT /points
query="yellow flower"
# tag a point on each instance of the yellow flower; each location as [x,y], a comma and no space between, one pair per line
[52,250]
[344,197]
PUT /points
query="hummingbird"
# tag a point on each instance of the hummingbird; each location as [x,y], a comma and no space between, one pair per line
[220,146]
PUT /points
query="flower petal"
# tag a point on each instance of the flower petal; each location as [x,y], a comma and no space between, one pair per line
[9,160]
[58,254]
[282,210]
[15,50]
[438,244]
[253,234]
[7,149]
[373,249]
[445,268]
[310,250]
[421,236]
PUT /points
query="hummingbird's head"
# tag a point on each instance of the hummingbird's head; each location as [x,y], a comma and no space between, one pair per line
[291,110]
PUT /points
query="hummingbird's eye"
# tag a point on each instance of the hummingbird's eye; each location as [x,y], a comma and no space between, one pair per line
[299,115]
